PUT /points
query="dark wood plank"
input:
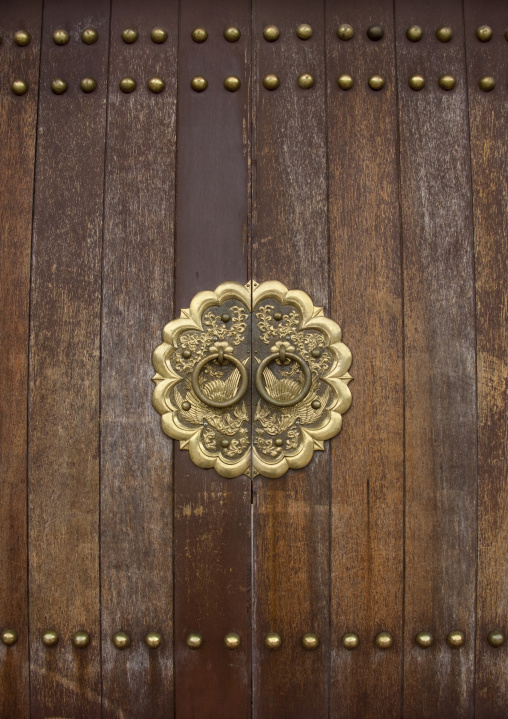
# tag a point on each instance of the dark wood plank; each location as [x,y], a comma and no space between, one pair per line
[18,119]
[291,519]
[440,405]
[365,271]
[212,514]
[136,457]
[489,156]
[64,366]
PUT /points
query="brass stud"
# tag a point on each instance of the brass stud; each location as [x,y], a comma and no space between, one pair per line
[186,354]
[277,316]
[232,640]
[414,33]
[345,81]
[199,34]
[129,35]
[153,640]
[376,82]
[81,639]
[232,83]
[50,638]
[416,82]
[305,81]
[424,639]
[9,637]
[496,638]
[186,406]
[22,38]
[121,640]
[271,82]
[375,32]
[273,640]
[384,640]
[158,35]
[310,641]
[194,640]
[271,33]
[19,87]
[60,37]
[88,84]
[59,86]
[486,83]
[316,404]
[350,640]
[199,83]
[225,317]
[447,82]
[444,33]
[232,34]
[456,639]
[304,31]
[128,84]
[156,84]
[279,442]
[224,443]
[345,32]
[89,36]
[484,33]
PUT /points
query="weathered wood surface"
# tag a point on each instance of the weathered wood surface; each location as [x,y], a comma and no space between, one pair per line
[365,283]
[64,366]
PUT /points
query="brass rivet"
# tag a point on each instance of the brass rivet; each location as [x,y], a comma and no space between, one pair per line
[81,639]
[279,442]
[225,317]
[271,82]
[444,33]
[199,83]
[89,36]
[496,638]
[375,32]
[310,641]
[376,82]
[19,87]
[271,33]
[316,352]
[447,82]
[186,406]
[232,83]
[128,84]
[187,354]
[129,35]
[50,638]
[455,639]
[316,404]
[416,82]
[232,34]
[121,640]
[22,38]
[159,35]
[153,640]
[424,639]
[156,84]
[232,640]
[305,81]
[9,637]
[60,37]
[277,316]
[273,640]
[224,443]
[414,33]
[350,640]
[486,83]
[384,640]
[199,34]
[345,32]
[194,640]
[88,84]
[345,82]
[484,33]
[304,31]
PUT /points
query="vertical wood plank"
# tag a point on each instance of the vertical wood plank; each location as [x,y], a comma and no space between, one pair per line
[365,270]
[18,119]
[440,405]
[489,156]
[136,457]
[290,243]
[212,514]
[64,366]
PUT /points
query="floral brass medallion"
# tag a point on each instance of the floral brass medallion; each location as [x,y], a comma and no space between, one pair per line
[252,379]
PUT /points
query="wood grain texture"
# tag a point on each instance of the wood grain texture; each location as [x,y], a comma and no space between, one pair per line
[291,516]
[366,287]
[440,405]
[211,515]
[64,366]
[489,156]
[18,118]
[136,457]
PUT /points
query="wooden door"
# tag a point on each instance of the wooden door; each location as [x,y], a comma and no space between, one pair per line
[371,174]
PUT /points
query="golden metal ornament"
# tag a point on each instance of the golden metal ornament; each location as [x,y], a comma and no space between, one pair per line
[271,82]
[306,81]
[345,32]
[484,33]
[447,82]
[153,640]
[88,84]
[376,82]
[232,34]
[414,33]
[350,640]
[310,641]
[22,38]
[456,639]
[424,639]
[128,84]
[194,640]
[273,640]
[159,35]
[496,638]
[199,34]
[59,86]
[129,35]
[486,83]
[121,640]
[80,639]
[384,640]
[304,31]
[232,83]
[375,32]
[271,33]
[19,87]
[156,85]
[232,640]
[345,81]
[50,638]
[444,33]
[60,37]
[89,36]
[9,637]
[199,83]
[416,82]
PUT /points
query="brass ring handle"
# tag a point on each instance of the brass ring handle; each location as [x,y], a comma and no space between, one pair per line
[289,402]
[227,402]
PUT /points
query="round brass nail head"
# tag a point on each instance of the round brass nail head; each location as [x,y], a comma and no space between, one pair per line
[60,37]
[376,82]
[186,406]
[232,34]
[225,317]
[484,33]
[156,84]
[199,34]
[304,31]
[277,316]
[129,35]
[279,442]
[316,404]
[316,352]
[424,639]
[444,33]
[158,35]
[486,83]
[417,82]
[456,639]
[345,32]
[22,38]
[224,443]
[305,81]
[128,84]
[271,33]
[194,640]
[232,83]
[350,640]
[19,87]
[496,638]
[271,82]
[345,81]
[310,641]
[121,640]
[375,32]
[88,84]
[414,33]
[50,638]
[232,640]
[81,639]
[153,640]
[89,36]
[273,640]
[384,640]
[9,637]
[199,83]
[447,82]
[186,354]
